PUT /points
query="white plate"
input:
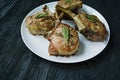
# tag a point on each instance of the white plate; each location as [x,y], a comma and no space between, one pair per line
[88,49]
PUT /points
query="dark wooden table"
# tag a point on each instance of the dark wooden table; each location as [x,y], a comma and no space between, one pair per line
[17,62]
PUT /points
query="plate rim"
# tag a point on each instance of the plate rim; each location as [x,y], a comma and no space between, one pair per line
[63,61]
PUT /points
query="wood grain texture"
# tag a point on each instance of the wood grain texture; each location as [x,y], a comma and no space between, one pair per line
[17,62]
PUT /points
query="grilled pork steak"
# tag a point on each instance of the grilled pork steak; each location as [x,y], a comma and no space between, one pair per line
[64,41]
[41,23]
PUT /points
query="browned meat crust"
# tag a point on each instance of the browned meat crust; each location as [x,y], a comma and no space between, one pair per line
[72,5]
[95,29]
[58,46]
[41,23]
[89,25]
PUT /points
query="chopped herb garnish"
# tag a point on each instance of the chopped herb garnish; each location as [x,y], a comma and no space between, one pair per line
[65,33]
[42,15]
[68,1]
[91,18]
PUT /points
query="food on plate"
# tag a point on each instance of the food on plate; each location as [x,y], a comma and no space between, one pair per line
[95,30]
[41,23]
[64,40]
[89,25]
[72,5]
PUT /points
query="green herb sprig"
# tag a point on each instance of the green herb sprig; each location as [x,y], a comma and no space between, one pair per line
[91,18]
[65,33]
[42,15]
[68,1]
